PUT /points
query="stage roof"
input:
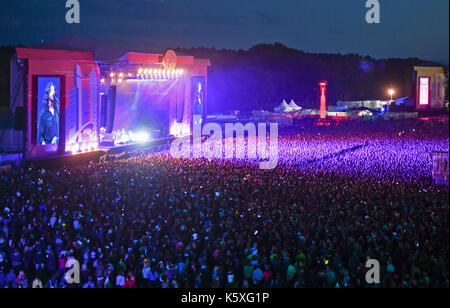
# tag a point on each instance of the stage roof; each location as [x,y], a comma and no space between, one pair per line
[53,54]
[107,53]
[102,51]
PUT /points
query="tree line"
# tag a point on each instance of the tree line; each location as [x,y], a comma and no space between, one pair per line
[262,76]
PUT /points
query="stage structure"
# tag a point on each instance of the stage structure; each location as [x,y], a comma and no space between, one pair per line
[429,86]
[75,103]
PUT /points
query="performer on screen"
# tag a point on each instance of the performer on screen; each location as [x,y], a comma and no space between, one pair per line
[49,117]
[198,104]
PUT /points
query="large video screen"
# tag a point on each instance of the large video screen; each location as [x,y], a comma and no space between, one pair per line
[198,98]
[48,110]
[424,91]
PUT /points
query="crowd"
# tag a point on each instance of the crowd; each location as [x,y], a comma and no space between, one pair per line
[155,221]
[392,154]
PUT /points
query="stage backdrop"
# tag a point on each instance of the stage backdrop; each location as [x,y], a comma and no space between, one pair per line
[148,106]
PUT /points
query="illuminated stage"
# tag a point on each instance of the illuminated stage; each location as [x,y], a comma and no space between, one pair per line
[76,103]
[95,155]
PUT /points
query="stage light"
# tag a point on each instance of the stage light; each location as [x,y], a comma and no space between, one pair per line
[141,137]
[83,147]
[102,80]
[111,75]
[391,93]
[75,148]
[121,75]
[119,81]
[140,71]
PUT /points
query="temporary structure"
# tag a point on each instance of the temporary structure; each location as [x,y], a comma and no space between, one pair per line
[294,106]
[283,107]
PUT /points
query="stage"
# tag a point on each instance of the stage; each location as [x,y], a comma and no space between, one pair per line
[80,105]
[74,159]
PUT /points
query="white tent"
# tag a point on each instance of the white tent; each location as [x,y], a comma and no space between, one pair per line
[283,107]
[294,106]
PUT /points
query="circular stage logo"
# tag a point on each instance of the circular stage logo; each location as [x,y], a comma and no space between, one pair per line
[170,60]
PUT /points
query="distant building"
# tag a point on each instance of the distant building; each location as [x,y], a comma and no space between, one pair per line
[369,104]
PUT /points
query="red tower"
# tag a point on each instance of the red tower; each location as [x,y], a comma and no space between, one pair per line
[323,100]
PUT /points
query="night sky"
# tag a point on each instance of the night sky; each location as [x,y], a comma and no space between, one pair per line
[409,28]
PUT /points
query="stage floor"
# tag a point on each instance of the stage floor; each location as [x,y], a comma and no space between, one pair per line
[70,159]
